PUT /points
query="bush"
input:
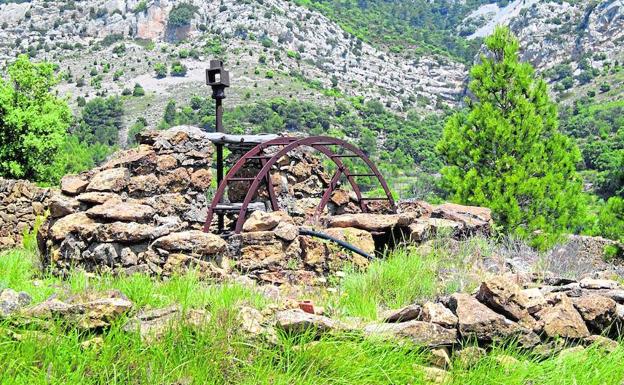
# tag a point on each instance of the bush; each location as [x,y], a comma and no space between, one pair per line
[138,90]
[119,49]
[605,87]
[178,69]
[161,70]
[100,122]
[181,15]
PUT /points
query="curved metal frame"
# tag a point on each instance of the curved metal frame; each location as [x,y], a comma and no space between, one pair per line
[319,143]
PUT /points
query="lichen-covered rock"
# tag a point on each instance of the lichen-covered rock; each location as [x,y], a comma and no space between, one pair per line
[439,314]
[361,239]
[194,242]
[78,223]
[560,318]
[114,179]
[478,322]
[12,301]
[370,222]
[504,297]
[73,184]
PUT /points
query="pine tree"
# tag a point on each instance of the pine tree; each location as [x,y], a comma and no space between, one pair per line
[505,152]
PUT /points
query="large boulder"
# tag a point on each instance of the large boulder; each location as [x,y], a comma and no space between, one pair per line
[560,318]
[421,333]
[193,242]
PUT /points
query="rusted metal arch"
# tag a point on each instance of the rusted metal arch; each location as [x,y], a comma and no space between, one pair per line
[319,143]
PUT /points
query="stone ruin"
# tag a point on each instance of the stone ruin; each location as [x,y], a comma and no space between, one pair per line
[143,210]
[21,202]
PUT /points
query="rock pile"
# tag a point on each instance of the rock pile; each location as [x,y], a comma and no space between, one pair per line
[547,318]
[139,212]
[20,203]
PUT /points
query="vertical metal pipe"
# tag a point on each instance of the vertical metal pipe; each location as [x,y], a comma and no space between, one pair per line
[219,128]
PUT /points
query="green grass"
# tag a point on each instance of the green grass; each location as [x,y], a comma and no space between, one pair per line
[218,353]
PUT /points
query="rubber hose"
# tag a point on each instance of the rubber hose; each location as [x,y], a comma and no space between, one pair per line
[339,242]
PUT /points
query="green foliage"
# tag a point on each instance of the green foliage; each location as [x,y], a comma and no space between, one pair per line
[181,15]
[423,26]
[33,121]
[141,7]
[178,69]
[611,219]
[138,90]
[598,128]
[506,152]
[119,49]
[100,122]
[161,70]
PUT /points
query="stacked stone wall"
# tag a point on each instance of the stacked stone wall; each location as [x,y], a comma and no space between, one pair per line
[21,202]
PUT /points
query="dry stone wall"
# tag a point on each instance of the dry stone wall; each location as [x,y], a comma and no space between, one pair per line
[21,202]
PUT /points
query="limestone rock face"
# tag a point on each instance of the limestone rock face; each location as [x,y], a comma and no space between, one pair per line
[193,242]
[419,332]
[561,319]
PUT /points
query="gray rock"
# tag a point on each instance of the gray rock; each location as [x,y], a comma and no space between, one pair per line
[12,301]
[420,332]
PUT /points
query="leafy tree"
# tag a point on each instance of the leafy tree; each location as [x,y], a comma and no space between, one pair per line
[181,15]
[100,122]
[33,121]
[506,152]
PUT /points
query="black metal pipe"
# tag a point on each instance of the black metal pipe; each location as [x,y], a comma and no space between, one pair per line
[339,242]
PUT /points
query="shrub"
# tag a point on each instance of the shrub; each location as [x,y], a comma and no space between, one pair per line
[181,15]
[161,70]
[138,90]
[119,49]
[178,69]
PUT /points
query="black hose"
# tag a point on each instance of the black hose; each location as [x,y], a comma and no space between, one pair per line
[340,243]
